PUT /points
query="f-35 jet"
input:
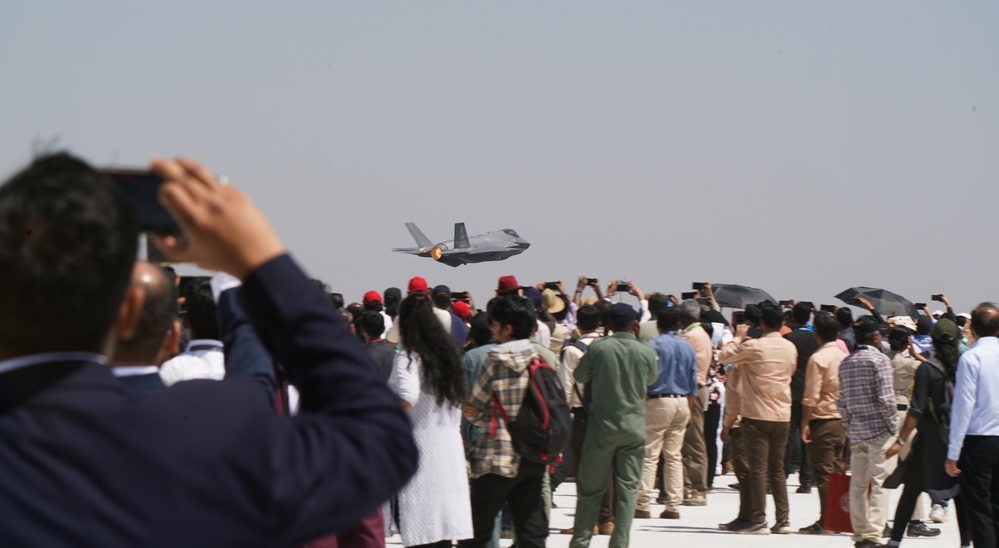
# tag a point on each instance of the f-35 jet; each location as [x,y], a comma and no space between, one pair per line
[491,246]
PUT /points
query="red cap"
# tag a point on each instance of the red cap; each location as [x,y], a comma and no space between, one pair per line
[418,285]
[372,297]
[507,286]
[461,309]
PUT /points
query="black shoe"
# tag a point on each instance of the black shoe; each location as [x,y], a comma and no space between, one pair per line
[887,532]
[804,490]
[733,486]
[814,529]
[921,530]
[866,544]
[734,525]
[754,529]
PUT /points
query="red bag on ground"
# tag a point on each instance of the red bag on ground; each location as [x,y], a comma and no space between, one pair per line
[838,504]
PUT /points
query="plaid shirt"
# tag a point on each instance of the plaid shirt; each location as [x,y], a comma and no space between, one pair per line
[503,373]
[867,396]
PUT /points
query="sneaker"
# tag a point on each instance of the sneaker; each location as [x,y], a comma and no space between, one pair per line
[734,525]
[696,500]
[938,514]
[669,514]
[921,530]
[804,490]
[607,528]
[815,529]
[887,532]
[781,528]
[754,529]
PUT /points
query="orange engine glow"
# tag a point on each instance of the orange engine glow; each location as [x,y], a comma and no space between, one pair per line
[436,253]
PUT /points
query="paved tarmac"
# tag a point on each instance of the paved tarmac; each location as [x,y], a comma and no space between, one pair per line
[698,526]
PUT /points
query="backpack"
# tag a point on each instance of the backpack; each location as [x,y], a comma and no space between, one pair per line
[541,429]
[941,412]
[586,397]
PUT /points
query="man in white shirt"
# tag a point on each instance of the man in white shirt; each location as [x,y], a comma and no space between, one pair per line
[203,358]
[974,426]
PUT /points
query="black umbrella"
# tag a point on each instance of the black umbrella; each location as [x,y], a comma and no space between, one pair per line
[738,296]
[885,302]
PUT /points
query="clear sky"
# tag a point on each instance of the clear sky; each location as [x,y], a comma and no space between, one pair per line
[800,147]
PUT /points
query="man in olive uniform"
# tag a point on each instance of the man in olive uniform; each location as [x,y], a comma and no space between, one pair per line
[621,369]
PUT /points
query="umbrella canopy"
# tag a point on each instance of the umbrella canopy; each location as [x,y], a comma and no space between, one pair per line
[738,296]
[885,302]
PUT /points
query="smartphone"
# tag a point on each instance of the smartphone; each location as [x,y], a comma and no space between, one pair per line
[552,285]
[697,286]
[937,298]
[920,305]
[828,308]
[188,281]
[737,317]
[623,286]
[591,281]
[459,296]
[687,295]
[786,303]
[141,189]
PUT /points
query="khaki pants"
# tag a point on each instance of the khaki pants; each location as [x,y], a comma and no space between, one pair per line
[665,425]
[825,453]
[870,469]
[695,450]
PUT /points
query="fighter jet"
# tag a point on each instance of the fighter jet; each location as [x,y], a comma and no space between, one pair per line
[491,246]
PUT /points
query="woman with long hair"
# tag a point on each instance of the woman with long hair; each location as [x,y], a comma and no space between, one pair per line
[923,469]
[429,377]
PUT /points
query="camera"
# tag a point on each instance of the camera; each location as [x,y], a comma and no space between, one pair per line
[687,295]
[623,286]
[552,285]
[699,286]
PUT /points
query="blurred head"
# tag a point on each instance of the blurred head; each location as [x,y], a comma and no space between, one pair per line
[657,303]
[157,330]
[985,320]
[898,338]
[478,329]
[845,317]
[68,243]
[622,317]
[771,317]
[513,317]
[867,331]
[588,318]
[690,312]
[924,324]
[802,313]
[826,328]
[668,320]
[372,325]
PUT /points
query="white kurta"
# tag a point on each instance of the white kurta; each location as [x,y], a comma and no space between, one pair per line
[435,504]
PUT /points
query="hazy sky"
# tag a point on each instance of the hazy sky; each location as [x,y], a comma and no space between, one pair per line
[801,147]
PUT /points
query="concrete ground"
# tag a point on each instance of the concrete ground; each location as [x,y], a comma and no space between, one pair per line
[698,526]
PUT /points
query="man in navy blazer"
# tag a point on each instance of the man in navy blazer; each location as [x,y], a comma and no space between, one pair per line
[203,463]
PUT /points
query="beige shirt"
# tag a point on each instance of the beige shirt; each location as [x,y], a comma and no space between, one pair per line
[904,369]
[822,381]
[699,339]
[732,400]
[570,359]
[767,364]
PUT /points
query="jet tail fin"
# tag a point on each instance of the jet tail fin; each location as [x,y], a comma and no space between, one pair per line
[421,239]
[460,236]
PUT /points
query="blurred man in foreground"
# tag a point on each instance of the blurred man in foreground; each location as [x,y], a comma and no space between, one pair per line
[203,463]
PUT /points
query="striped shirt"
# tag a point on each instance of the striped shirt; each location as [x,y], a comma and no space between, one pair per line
[867,396]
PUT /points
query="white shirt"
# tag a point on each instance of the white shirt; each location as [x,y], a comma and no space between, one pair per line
[543,335]
[203,359]
[570,359]
[974,411]
[443,315]
[133,370]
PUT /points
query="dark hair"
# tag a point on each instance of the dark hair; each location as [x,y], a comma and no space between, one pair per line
[801,312]
[155,320]
[771,316]
[421,333]
[478,329]
[336,299]
[588,318]
[515,311]
[827,328]
[657,302]
[961,321]
[948,354]
[668,319]
[845,317]
[985,320]
[898,338]
[374,307]
[751,314]
[68,242]
[202,313]
[924,324]
[372,324]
